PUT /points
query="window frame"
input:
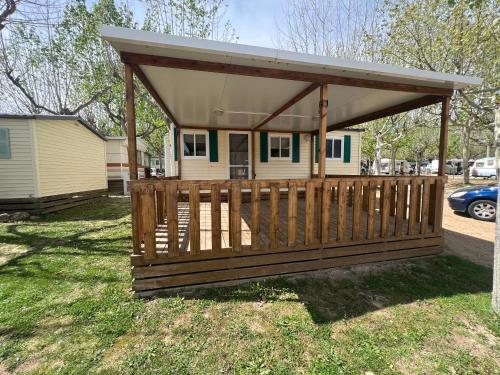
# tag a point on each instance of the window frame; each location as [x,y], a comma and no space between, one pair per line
[280,136]
[194,134]
[333,139]
[9,145]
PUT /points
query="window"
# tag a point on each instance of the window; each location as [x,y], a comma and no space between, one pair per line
[195,145]
[490,162]
[280,147]
[4,143]
[334,148]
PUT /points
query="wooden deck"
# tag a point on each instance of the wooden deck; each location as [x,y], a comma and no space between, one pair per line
[197,233]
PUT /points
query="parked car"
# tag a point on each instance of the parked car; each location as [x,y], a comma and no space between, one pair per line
[451,167]
[486,167]
[480,202]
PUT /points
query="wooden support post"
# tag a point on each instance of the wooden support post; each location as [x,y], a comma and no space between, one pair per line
[179,154]
[323,118]
[235,216]
[311,143]
[252,150]
[131,132]
[443,136]
[325,211]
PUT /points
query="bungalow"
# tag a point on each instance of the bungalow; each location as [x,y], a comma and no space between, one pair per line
[117,162]
[243,204]
[48,163]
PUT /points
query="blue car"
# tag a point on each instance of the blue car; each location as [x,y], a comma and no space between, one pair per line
[480,202]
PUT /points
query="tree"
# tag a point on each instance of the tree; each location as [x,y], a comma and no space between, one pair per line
[496,256]
[7,8]
[455,36]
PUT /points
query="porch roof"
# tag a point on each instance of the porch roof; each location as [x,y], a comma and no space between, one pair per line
[204,83]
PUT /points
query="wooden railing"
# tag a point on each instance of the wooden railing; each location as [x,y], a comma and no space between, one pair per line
[280,214]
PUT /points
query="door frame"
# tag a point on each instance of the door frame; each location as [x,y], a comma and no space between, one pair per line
[250,150]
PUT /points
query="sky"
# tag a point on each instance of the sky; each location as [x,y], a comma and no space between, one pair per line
[253,20]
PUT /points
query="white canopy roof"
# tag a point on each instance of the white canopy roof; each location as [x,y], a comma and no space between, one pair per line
[222,100]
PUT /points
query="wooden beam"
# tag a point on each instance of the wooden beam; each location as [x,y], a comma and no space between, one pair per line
[252,150]
[179,153]
[323,112]
[443,135]
[204,127]
[390,111]
[288,104]
[215,67]
[131,132]
[145,81]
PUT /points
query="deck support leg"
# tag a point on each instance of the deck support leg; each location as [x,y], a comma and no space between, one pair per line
[323,112]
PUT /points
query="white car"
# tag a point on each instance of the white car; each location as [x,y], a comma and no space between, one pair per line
[486,167]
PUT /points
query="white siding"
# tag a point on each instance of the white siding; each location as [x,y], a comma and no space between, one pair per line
[70,158]
[17,179]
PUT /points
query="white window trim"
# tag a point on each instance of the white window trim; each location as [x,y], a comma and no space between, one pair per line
[341,139]
[207,145]
[280,135]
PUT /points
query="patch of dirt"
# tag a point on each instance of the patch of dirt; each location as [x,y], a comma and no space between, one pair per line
[8,252]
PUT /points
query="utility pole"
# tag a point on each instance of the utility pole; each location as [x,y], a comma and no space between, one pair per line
[496,257]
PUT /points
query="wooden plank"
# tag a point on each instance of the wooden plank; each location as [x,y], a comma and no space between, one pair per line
[325,211]
[160,199]
[412,220]
[172,219]
[131,131]
[405,211]
[341,218]
[438,210]
[194,219]
[309,225]
[400,208]
[235,216]
[216,67]
[216,217]
[255,226]
[393,201]
[179,153]
[443,135]
[277,269]
[357,210]
[136,230]
[295,99]
[323,118]
[385,208]
[274,216]
[426,193]
[148,220]
[292,214]
[390,111]
[255,260]
[366,196]
[372,202]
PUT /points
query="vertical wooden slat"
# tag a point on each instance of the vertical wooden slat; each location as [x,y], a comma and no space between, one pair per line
[412,220]
[309,226]
[426,193]
[325,211]
[194,218]
[255,227]
[400,207]
[216,217]
[341,218]
[135,206]
[385,208]
[366,196]
[357,210]
[432,203]
[438,210]
[149,222]
[160,199]
[372,202]
[292,214]
[235,216]
[393,201]
[230,223]
[275,216]
[419,202]
[172,219]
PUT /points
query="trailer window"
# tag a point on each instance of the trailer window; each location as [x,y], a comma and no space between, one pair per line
[4,143]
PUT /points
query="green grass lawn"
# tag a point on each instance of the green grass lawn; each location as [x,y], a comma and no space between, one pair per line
[66,307]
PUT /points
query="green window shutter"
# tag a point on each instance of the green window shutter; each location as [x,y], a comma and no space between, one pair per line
[296,148]
[214,145]
[316,147]
[264,147]
[176,151]
[4,143]
[347,148]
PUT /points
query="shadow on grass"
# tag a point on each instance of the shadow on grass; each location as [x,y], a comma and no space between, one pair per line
[329,297]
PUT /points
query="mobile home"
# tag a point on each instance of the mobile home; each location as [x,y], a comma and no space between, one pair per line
[48,163]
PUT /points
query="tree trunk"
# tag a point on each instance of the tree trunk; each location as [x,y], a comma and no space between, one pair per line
[378,154]
[496,256]
[393,161]
[466,130]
